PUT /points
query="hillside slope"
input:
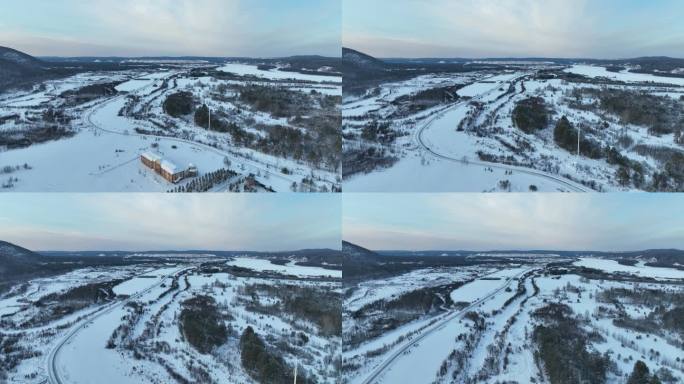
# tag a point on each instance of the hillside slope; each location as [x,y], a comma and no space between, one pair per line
[360,262]
[361,71]
[15,260]
[17,68]
[358,254]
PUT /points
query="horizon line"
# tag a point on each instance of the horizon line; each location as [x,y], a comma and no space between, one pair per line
[183,56]
[179,250]
[514,250]
[507,57]
[170,56]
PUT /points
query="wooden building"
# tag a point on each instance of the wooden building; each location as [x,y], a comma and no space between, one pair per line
[167,169]
[171,172]
[151,160]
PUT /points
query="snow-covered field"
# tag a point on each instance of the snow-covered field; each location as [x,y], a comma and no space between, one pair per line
[107,135]
[472,144]
[424,173]
[470,324]
[137,284]
[138,335]
[288,269]
[625,75]
[82,359]
[474,291]
[369,291]
[639,269]
[275,74]
[492,339]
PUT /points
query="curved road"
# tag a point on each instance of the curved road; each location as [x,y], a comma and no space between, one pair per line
[89,120]
[255,164]
[379,370]
[571,185]
[53,372]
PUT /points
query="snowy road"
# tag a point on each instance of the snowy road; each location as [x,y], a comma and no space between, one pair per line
[375,375]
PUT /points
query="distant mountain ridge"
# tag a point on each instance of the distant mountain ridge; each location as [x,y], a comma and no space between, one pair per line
[19,58]
[17,67]
[359,66]
[355,57]
[361,71]
[324,257]
[299,62]
[359,254]
[16,261]
[299,252]
[669,253]
[10,252]
[360,262]
[21,70]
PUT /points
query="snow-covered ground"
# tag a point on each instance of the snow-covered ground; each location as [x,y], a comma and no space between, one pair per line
[136,337]
[491,340]
[639,269]
[624,75]
[425,173]
[475,290]
[471,144]
[109,134]
[409,352]
[369,291]
[288,269]
[276,74]
[141,283]
[83,358]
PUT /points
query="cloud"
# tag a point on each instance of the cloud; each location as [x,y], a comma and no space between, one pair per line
[161,221]
[477,28]
[504,28]
[54,45]
[202,27]
[41,239]
[490,222]
[399,47]
[508,27]
[177,27]
[520,221]
[205,221]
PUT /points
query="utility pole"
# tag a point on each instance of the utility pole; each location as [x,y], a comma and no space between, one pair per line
[204,101]
[579,133]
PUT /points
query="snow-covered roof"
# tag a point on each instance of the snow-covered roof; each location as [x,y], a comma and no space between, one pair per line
[152,156]
[169,167]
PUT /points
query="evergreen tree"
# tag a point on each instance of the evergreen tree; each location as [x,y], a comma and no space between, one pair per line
[641,375]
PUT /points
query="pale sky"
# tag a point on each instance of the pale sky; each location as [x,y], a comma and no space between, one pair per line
[479,222]
[255,28]
[515,28]
[139,222]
